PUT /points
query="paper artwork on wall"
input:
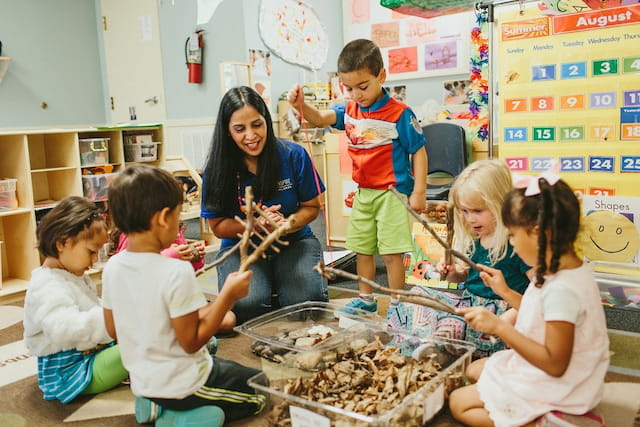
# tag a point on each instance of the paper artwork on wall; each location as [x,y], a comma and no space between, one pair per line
[359,11]
[411,47]
[293,31]
[260,61]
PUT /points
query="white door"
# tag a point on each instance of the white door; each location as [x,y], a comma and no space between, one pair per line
[133,61]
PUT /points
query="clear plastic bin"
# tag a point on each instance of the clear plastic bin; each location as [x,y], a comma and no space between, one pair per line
[8,199]
[139,138]
[95,187]
[270,327]
[94,151]
[443,374]
[141,152]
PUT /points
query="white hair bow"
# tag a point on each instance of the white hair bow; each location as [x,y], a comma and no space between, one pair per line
[532,183]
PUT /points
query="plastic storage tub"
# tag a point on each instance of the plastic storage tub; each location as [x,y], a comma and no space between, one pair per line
[8,199]
[143,152]
[95,187]
[288,388]
[270,327]
[139,138]
[94,151]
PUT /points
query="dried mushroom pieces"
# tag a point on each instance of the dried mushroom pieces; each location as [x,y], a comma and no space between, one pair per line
[299,338]
[370,379]
[436,212]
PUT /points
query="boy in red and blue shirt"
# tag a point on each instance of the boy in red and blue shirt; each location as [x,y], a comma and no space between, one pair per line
[386,146]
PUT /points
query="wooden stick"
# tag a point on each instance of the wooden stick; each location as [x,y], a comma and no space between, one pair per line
[426,225]
[248,228]
[226,255]
[403,295]
[448,258]
[266,243]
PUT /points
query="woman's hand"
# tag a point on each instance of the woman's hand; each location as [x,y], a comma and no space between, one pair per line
[274,214]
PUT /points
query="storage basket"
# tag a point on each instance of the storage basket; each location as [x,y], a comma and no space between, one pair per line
[95,187]
[8,199]
[94,151]
[139,138]
[141,152]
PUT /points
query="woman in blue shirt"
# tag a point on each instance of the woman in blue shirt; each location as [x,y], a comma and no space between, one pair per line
[245,152]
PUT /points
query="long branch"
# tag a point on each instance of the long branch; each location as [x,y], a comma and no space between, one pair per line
[403,295]
[426,225]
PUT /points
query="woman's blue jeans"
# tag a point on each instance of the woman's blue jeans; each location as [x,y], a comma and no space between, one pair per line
[288,275]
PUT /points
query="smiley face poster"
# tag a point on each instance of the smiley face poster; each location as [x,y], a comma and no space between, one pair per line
[610,229]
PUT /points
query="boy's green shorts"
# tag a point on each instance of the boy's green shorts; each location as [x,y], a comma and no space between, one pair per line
[379,224]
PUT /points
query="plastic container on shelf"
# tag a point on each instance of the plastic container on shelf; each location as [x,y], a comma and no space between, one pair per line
[138,138]
[141,152]
[436,367]
[95,187]
[94,151]
[8,199]
[1,242]
[270,327]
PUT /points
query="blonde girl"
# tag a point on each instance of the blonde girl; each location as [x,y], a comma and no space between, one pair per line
[63,321]
[559,348]
[476,197]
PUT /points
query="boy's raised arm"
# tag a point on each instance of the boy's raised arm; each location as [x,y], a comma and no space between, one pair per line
[318,118]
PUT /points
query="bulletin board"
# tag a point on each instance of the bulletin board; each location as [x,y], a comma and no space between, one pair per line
[412,47]
[569,91]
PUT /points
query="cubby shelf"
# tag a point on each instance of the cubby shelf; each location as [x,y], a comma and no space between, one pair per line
[47,166]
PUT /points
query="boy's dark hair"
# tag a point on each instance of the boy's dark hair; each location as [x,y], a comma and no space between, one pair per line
[556,210]
[138,192]
[225,162]
[360,54]
[70,217]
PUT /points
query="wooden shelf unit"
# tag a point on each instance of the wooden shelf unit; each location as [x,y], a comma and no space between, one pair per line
[46,164]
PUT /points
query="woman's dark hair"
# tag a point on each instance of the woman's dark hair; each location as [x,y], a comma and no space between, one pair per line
[70,218]
[138,192]
[225,162]
[556,212]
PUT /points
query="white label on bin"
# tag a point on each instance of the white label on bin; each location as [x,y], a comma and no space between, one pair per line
[301,417]
[433,403]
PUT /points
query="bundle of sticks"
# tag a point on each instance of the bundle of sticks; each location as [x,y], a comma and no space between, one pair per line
[254,230]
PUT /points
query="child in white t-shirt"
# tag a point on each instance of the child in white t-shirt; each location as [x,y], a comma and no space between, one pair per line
[155,307]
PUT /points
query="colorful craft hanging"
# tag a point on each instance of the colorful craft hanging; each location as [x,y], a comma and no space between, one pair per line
[479,89]
[292,30]
[428,8]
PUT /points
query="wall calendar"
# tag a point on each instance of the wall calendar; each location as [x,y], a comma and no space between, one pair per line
[568,90]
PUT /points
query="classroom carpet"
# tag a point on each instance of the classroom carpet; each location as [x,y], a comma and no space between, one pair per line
[21,403]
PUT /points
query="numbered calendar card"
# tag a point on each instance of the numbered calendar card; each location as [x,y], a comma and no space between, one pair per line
[569,90]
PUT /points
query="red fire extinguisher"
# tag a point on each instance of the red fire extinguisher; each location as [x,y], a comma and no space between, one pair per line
[193,55]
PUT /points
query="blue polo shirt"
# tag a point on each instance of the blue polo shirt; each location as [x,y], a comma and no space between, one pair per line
[297,184]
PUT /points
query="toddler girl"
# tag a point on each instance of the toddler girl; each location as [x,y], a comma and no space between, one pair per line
[476,197]
[179,249]
[559,348]
[63,321]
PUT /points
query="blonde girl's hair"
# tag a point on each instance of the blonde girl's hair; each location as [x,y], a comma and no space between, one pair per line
[482,184]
